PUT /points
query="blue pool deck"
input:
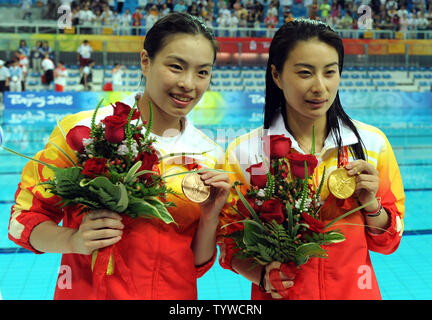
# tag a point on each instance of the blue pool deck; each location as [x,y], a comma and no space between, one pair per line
[405,274]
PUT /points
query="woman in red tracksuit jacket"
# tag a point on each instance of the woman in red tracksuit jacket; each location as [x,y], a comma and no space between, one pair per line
[302,79]
[153,260]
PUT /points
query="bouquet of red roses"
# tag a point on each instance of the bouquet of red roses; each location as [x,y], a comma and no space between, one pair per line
[114,168]
[281,210]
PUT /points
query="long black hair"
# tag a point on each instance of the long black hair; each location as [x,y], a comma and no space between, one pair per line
[283,42]
[175,23]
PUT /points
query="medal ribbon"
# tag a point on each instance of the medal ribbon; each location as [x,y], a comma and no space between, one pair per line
[343,157]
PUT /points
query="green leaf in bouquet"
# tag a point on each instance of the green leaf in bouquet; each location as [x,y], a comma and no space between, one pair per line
[66,182]
[311,249]
[290,219]
[313,141]
[149,208]
[347,214]
[149,123]
[129,176]
[248,206]
[140,173]
[300,259]
[113,196]
[333,237]
[93,120]
[251,231]
[196,171]
[176,154]
[305,189]
[318,192]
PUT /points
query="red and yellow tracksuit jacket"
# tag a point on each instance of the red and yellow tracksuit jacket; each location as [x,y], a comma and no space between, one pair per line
[152,260]
[347,272]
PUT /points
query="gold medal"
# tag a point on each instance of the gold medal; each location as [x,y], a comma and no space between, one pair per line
[194,188]
[340,184]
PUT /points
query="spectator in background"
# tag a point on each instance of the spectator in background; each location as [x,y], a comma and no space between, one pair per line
[84,52]
[4,79]
[209,20]
[87,75]
[180,7]
[402,10]
[243,23]
[125,22]
[25,6]
[395,21]
[46,49]
[86,20]
[273,9]
[346,21]
[165,10]
[210,7]
[97,22]
[251,19]
[24,65]
[142,4]
[222,22]
[107,16]
[24,49]
[288,17]
[270,22]
[151,18]
[137,16]
[223,9]
[313,10]
[115,23]
[241,11]
[76,16]
[60,77]
[117,77]
[324,9]
[110,4]
[422,24]
[36,57]
[120,4]
[193,10]
[233,24]
[259,11]
[16,76]
[404,23]
[48,69]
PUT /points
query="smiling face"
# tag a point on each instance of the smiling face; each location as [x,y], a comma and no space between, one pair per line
[179,74]
[309,79]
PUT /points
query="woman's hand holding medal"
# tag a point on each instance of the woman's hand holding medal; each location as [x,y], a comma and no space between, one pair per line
[367,183]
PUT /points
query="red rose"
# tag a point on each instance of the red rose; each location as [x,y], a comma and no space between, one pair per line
[272,210]
[94,167]
[114,128]
[242,208]
[258,175]
[149,160]
[279,145]
[75,137]
[122,110]
[314,224]
[297,164]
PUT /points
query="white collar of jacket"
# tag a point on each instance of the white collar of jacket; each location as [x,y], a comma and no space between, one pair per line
[278,127]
